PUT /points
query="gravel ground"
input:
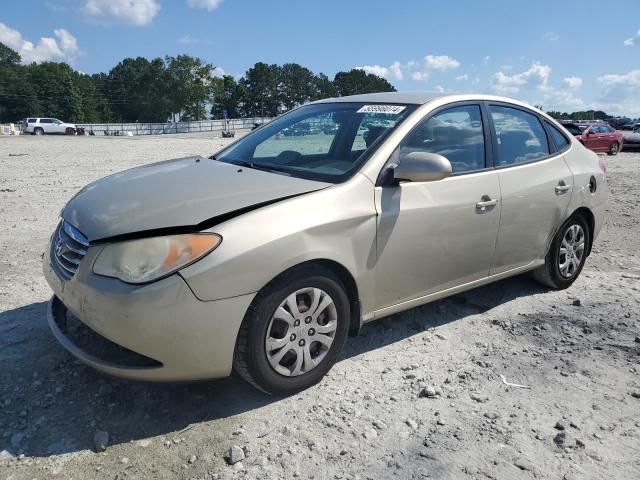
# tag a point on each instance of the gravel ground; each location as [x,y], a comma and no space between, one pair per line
[417,395]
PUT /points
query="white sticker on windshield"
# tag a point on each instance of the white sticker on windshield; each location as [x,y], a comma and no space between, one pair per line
[392,109]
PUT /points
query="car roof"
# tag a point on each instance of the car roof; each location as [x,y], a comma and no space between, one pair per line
[417,98]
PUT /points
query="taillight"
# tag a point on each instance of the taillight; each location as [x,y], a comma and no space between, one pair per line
[602,161]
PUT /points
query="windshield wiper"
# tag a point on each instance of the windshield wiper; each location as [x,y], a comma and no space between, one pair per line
[263,167]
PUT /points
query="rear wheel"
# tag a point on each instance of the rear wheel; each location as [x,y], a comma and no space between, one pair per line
[293,332]
[614,148]
[567,254]
[38,131]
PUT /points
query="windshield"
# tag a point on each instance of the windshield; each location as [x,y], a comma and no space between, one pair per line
[326,142]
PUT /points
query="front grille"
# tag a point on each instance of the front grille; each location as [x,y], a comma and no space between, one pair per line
[68,248]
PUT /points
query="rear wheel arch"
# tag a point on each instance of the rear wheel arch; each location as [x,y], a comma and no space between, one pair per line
[591,222]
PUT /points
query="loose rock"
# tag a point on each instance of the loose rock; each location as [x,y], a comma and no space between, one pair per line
[429,391]
[477,397]
[236,454]
[100,441]
[565,440]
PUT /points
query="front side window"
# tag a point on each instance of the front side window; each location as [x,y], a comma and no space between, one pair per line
[520,136]
[558,138]
[326,141]
[455,133]
[45,120]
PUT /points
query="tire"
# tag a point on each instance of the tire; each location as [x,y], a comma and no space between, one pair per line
[264,322]
[70,131]
[552,274]
[38,131]
[613,149]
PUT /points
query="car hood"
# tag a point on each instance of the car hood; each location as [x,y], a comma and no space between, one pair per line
[182,193]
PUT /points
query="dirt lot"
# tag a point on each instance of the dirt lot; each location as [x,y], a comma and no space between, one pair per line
[578,350]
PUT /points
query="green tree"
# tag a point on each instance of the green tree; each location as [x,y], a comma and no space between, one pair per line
[190,83]
[227,95]
[260,85]
[357,81]
[295,86]
[323,87]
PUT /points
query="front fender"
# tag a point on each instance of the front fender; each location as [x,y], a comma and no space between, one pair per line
[337,223]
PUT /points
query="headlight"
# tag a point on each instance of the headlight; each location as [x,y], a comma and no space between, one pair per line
[149,259]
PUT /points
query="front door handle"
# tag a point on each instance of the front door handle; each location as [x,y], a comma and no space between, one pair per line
[562,188]
[486,203]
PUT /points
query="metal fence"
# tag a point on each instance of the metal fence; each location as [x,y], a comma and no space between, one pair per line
[128,129]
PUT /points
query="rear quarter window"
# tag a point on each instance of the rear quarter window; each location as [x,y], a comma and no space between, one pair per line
[558,137]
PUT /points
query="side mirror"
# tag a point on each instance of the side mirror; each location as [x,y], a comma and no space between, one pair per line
[421,167]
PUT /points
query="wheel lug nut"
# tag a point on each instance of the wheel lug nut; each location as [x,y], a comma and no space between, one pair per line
[292,337]
[296,323]
[301,343]
[307,320]
[312,331]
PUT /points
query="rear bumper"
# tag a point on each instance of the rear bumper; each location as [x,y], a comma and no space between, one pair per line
[182,337]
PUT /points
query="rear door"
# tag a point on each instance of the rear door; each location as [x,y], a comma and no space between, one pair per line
[535,182]
[436,235]
[47,125]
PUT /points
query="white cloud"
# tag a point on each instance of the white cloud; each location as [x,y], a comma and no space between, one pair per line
[551,36]
[206,4]
[132,12]
[621,92]
[62,48]
[538,74]
[396,70]
[187,40]
[393,71]
[434,63]
[486,60]
[438,89]
[630,42]
[440,62]
[218,72]
[461,78]
[573,82]
[417,70]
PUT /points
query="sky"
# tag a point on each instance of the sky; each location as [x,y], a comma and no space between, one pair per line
[561,55]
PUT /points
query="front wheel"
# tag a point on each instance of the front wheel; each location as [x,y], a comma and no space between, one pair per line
[614,148]
[70,131]
[38,131]
[567,254]
[293,332]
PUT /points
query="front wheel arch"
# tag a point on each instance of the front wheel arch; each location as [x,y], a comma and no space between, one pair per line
[348,281]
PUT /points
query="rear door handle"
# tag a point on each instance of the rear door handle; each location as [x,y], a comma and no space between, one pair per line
[484,204]
[562,188]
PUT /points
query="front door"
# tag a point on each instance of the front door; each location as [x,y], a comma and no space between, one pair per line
[437,235]
[536,188]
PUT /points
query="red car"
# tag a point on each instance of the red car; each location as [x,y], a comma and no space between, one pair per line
[599,137]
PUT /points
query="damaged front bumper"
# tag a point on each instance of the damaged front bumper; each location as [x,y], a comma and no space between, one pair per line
[154,332]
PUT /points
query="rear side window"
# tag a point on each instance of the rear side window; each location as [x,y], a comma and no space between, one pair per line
[558,138]
[31,120]
[45,120]
[455,133]
[521,138]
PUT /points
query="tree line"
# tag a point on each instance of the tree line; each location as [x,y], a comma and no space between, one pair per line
[160,89]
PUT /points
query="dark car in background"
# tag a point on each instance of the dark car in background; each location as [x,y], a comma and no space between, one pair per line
[597,136]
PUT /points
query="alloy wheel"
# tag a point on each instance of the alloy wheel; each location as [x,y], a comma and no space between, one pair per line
[571,251]
[301,332]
